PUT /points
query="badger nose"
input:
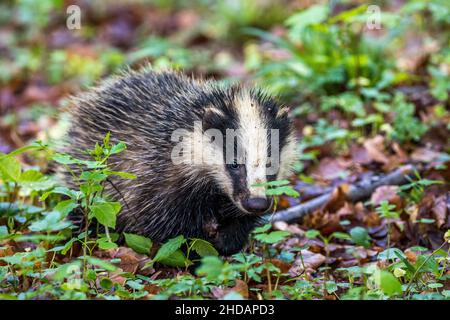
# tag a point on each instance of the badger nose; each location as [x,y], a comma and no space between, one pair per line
[256,205]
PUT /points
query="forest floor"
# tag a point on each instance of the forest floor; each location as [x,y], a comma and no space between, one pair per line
[366,101]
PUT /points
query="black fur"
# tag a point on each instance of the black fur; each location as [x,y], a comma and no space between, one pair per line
[142,109]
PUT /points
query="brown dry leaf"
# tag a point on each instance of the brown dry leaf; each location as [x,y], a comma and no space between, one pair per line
[284,203]
[386,193]
[376,150]
[424,155]
[360,155]
[292,228]
[325,222]
[152,289]
[331,168]
[283,266]
[240,287]
[346,212]
[117,278]
[130,261]
[411,256]
[5,250]
[338,199]
[38,93]
[311,260]
[400,154]
[439,210]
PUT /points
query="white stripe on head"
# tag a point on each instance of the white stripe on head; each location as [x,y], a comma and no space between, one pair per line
[196,156]
[253,139]
[288,156]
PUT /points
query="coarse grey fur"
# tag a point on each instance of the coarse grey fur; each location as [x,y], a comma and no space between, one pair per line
[199,201]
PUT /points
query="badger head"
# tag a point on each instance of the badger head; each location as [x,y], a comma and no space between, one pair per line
[243,140]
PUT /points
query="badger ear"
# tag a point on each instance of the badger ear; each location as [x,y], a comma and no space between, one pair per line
[212,118]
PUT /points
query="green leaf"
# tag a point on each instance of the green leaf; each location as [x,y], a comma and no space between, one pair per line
[287,190]
[64,159]
[406,262]
[66,206]
[138,243]
[118,148]
[67,270]
[105,244]
[341,235]
[276,183]
[360,236]
[299,21]
[331,286]
[10,168]
[391,253]
[211,267]
[435,285]
[273,237]
[3,232]
[124,175]
[169,247]
[62,190]
[203,248]
[52,221]
[31,176]
[35,145]
[106,212]
[312,234]
[176,259]
[101,263]
[106,139]
[65,248]
[106,283]
[35,180]
[93,176]
[388,283]
[263,228]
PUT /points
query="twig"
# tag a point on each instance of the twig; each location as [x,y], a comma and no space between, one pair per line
[355,193]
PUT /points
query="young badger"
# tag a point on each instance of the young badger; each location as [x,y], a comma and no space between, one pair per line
[214,199]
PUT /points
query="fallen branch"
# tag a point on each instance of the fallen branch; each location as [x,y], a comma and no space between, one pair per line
[357,192]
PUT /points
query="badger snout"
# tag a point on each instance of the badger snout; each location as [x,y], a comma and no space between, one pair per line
[257,205]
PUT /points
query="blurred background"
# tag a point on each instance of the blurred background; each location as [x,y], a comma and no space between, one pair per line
[352,71]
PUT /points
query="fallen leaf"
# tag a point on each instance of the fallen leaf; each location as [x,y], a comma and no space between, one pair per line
[130,261]
[241,288]
[306,260]
[117,278]
[386,193]
[424,155]
[439,210]
[292,228]
[376,149]
[411,256]
[331,168]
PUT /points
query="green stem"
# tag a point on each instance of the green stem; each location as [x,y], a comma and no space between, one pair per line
[421,266]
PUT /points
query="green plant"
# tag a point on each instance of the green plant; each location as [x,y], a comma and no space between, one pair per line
[91,177]
[328,54]
[405,126]
[414,190]
[388,212]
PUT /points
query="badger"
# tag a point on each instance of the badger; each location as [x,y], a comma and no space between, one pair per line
[189,181]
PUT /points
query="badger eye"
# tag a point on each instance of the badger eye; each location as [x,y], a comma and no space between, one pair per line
[234,165]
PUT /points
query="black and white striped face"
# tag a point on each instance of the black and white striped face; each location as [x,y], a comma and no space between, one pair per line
[249,142]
